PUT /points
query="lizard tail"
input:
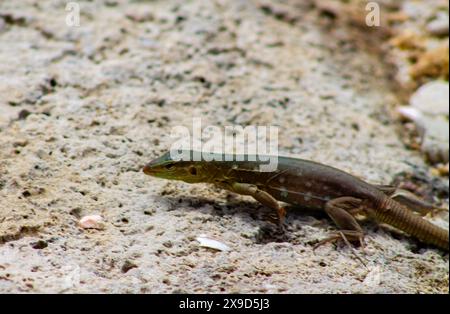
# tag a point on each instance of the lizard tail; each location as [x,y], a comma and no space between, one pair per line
[396,215]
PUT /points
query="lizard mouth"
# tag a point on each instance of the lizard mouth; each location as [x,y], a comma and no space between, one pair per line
[148,170]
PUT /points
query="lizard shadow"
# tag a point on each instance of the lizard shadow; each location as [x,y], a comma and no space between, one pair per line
[254,214]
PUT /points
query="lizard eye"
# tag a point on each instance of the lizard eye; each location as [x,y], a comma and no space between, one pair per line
[193,171]
[169,166]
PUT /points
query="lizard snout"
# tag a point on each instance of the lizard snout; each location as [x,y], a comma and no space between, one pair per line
[147,169]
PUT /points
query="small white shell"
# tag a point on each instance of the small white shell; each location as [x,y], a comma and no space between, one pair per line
[212,244]
[92,222]
[410,113]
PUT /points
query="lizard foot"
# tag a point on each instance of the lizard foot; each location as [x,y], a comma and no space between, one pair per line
[281,220]
[346,236]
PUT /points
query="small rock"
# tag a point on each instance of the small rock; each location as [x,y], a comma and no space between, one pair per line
[431,63]
[435,142]
[429,110]
[439,25]
[443,170]
[127,265]
[23,114]
[39,245]
[432,98]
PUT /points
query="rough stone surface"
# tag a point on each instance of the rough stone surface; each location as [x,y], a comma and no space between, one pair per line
[419,49]
[83,108]
[420,46]
[429,106]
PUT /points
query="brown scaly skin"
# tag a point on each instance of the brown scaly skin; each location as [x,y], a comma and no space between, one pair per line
[309,185]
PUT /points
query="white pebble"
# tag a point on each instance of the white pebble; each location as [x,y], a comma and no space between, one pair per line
[92,222]
[432,98]
[439,26]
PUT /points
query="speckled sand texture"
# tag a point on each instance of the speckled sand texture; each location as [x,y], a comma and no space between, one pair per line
[83,108]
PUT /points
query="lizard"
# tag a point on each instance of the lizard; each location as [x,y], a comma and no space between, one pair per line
[310,185]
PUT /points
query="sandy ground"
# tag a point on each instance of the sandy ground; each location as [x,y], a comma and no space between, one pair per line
[82,109]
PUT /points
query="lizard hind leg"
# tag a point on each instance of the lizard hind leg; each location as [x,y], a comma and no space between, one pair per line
[341,211]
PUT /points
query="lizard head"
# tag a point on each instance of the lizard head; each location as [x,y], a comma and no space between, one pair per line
[170,168]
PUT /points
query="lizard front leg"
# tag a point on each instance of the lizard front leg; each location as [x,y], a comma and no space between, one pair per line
[261,196]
